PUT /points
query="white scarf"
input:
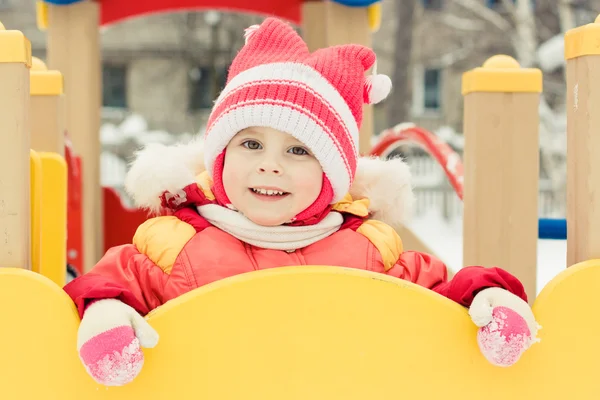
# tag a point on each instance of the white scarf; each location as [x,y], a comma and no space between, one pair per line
[281,237]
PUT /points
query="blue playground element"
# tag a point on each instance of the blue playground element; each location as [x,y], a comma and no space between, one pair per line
[62,2]
[552,228]
[357,3]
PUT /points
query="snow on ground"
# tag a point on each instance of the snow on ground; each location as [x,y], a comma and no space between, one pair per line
[446,240]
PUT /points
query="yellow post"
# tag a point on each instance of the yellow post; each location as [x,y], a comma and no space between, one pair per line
[47,109]
[36,210]
[15,207]
[326,23]
[501,156]
[582,54]
[54,217]
[73,41]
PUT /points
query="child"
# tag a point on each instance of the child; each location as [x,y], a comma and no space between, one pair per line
[283,186]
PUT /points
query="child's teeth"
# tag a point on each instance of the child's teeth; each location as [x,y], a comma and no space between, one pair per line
[268,192]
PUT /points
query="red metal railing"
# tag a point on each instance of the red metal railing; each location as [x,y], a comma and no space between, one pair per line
[440,151]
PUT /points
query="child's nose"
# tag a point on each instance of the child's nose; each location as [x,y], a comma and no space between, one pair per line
[273,169]
[269,165]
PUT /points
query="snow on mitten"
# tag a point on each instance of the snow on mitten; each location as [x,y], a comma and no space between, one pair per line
[507,326]
[109,342]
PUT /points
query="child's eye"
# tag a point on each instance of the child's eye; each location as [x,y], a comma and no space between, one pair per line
[298,151]
[251,144]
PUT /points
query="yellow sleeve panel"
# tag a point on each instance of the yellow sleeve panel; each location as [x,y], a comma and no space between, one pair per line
[161,239]
[385,239]
[204,182]
[360,208]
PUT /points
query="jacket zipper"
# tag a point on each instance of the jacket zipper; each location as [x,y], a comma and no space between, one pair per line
[250,254]
[298,255]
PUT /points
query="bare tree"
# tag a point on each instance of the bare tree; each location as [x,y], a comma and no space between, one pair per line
[399,102]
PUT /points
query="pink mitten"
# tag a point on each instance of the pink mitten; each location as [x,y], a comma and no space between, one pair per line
[507,325]
[109,341]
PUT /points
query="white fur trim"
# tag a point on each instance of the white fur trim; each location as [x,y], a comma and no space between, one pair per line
[159,168]
[285,118]
[387,185]
[297,74]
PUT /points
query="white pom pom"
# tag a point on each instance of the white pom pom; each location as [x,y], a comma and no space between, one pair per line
[248,32]
[377,88]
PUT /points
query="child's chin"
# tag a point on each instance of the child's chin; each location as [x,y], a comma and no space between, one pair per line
[268,220]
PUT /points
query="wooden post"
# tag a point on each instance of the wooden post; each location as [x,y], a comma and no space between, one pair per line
[74,50]
[48,140]
[324,24]
[47,109]
[15,207]
[501,158]
[582,55]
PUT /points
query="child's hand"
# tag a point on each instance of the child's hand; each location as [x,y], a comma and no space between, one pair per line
[507,325]
[109,340]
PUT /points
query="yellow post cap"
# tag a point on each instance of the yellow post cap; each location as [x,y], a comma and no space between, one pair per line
[41,8]
[583,40]
[16,48]
[374,16]
[44,82]
[38,65]
[502,73]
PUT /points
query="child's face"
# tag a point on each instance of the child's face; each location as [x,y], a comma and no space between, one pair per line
[262,161]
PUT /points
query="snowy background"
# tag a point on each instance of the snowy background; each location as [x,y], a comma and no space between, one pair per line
[438,217]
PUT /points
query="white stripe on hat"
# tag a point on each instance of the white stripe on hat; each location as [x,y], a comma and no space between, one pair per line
[311,81]
[265,120]
[285,118]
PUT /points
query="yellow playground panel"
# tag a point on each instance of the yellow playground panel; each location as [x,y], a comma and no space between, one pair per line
[301,333]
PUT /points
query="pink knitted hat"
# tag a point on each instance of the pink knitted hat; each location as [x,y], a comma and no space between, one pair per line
[316,97]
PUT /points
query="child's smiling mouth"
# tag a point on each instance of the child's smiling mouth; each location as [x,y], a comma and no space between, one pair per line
[265,193]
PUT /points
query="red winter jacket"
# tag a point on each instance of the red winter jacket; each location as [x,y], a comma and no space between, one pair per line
[172,255]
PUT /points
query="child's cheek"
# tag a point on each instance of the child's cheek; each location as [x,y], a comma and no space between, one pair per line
[231,183]
[308,186]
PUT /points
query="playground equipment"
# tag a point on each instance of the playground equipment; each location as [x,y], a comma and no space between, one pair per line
[501,123]
[33,182]
[550,228]
[316,332]
[440,151]
[307,333]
